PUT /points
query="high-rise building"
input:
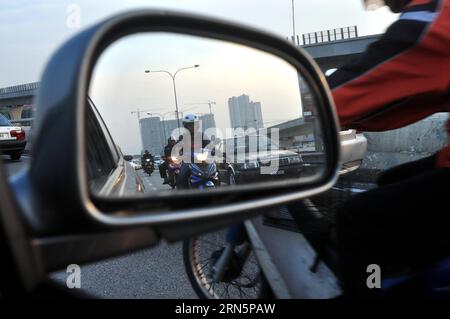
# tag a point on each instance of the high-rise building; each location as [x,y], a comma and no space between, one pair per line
[208,121]
[245,113]
[155,132]
[170,128]
[152,134]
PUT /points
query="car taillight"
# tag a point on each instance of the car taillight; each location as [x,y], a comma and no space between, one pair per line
[18,134]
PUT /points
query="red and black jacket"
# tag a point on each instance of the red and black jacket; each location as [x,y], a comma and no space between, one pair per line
[401,78]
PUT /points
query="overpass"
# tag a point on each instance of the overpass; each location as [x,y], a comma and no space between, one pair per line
[15,99]
[334,54]
[330,49]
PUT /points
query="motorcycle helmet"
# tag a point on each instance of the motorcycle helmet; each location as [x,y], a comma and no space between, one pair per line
[171,139]
[373,4]
[190,118]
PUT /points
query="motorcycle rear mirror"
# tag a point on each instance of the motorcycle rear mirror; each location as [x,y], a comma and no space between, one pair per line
[139,77]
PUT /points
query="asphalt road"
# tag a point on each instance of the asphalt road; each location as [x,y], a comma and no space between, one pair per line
[152,273]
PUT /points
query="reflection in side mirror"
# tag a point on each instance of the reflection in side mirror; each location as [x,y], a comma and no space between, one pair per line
[211,115]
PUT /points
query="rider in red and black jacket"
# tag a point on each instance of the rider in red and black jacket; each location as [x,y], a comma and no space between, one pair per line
[401,78]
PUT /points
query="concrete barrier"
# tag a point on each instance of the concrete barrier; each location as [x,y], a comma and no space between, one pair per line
[391,148]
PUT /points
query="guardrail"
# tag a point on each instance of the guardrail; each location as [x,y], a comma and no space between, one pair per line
[19,88]
[326,36]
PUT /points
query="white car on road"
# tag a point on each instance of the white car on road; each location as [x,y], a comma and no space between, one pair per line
[12,139]
[136,164]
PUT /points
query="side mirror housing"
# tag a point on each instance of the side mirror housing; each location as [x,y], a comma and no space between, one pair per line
[59,172]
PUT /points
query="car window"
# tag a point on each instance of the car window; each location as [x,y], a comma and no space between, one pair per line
[27,113]
[100,161]
[109,140]
[4,121]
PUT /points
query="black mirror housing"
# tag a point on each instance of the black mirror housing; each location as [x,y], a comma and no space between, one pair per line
[61,112]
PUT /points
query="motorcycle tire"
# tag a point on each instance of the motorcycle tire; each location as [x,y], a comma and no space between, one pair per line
[206,290]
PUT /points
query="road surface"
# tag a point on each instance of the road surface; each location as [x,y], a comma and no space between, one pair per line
[152,273]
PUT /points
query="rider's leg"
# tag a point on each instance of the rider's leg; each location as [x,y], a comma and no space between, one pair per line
[407,170]
[393,225]
[183,176]
[163,170]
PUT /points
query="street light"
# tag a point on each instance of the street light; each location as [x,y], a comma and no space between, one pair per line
[173,76]
[293,21]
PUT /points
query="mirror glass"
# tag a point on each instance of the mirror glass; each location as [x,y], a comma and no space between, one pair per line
[170,112]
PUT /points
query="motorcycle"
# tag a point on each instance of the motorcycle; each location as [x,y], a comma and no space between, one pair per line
[234,271]
[173,172]
[244,261]
[148,165]
[203,174]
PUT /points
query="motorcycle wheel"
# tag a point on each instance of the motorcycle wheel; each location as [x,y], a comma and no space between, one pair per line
[247,282]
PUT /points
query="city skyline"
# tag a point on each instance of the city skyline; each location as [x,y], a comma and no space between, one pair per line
[245,113]
[156,132]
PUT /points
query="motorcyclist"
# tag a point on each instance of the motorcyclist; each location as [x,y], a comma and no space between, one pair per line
[401,78]
[167,157]
[144,161]
[192,141]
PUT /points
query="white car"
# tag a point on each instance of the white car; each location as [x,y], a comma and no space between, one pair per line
[12,139]
[136,164]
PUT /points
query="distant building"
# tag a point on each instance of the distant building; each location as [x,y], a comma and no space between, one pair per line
[155,132]
[208,121]
[245,113]
[169,127]
[152,134]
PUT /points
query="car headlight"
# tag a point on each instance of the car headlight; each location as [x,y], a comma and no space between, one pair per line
[201,157]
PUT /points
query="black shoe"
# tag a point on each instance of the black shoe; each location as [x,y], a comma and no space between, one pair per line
[166,181]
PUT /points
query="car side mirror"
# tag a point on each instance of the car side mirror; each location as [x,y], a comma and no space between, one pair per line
[128,158]
[73,137]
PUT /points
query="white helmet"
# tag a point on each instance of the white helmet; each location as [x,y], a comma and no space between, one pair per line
[373,4]
[190,118]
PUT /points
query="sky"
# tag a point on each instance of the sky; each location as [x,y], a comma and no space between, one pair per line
[31,30]
[120,86]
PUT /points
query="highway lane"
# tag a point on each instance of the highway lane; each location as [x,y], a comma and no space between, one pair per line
[151,273]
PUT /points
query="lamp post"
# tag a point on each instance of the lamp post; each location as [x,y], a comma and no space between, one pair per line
[173,76]
[293,22]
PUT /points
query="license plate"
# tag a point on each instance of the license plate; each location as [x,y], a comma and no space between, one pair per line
[280,172]
[3,136]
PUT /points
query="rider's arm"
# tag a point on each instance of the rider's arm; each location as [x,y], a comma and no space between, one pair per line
[400,79]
